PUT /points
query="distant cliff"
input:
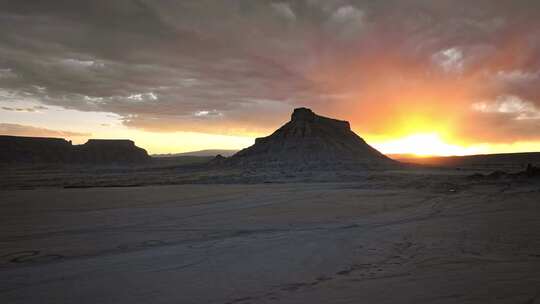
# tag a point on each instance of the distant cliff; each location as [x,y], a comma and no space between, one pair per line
[16,149]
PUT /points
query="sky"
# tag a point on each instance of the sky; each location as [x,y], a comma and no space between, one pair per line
[444,77]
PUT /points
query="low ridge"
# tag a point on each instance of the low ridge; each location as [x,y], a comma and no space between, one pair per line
[310,139]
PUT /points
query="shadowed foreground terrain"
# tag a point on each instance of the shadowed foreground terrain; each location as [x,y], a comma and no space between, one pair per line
[401,237]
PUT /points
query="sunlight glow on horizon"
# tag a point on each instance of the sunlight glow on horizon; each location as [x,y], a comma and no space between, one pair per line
[423,144]
[432,144]
[415,134]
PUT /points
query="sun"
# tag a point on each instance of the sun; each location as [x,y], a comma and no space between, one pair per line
[421,145]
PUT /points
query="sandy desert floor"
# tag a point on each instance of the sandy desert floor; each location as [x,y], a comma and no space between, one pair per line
[435,240]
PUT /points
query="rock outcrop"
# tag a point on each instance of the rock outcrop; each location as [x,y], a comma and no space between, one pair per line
[16,149]
[109,151]
[310,140]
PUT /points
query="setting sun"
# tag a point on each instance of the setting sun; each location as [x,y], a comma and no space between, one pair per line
[422,144]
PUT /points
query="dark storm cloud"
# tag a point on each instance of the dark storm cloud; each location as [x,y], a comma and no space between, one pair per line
[237,66]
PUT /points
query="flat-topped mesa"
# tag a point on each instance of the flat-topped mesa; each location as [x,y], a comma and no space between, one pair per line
[109,151]
[312,140]
[17,149]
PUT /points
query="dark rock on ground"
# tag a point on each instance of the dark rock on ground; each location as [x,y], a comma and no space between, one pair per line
[532,171]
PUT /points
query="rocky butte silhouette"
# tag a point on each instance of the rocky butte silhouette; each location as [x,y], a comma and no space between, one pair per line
[17,149]
[310,140]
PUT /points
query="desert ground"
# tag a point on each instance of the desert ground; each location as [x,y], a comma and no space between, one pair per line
[404,236]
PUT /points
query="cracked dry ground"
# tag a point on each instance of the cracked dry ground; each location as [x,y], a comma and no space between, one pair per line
[385,241]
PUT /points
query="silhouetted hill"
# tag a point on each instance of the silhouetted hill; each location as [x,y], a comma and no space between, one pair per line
[200,153]
[310,140]
[16,149]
